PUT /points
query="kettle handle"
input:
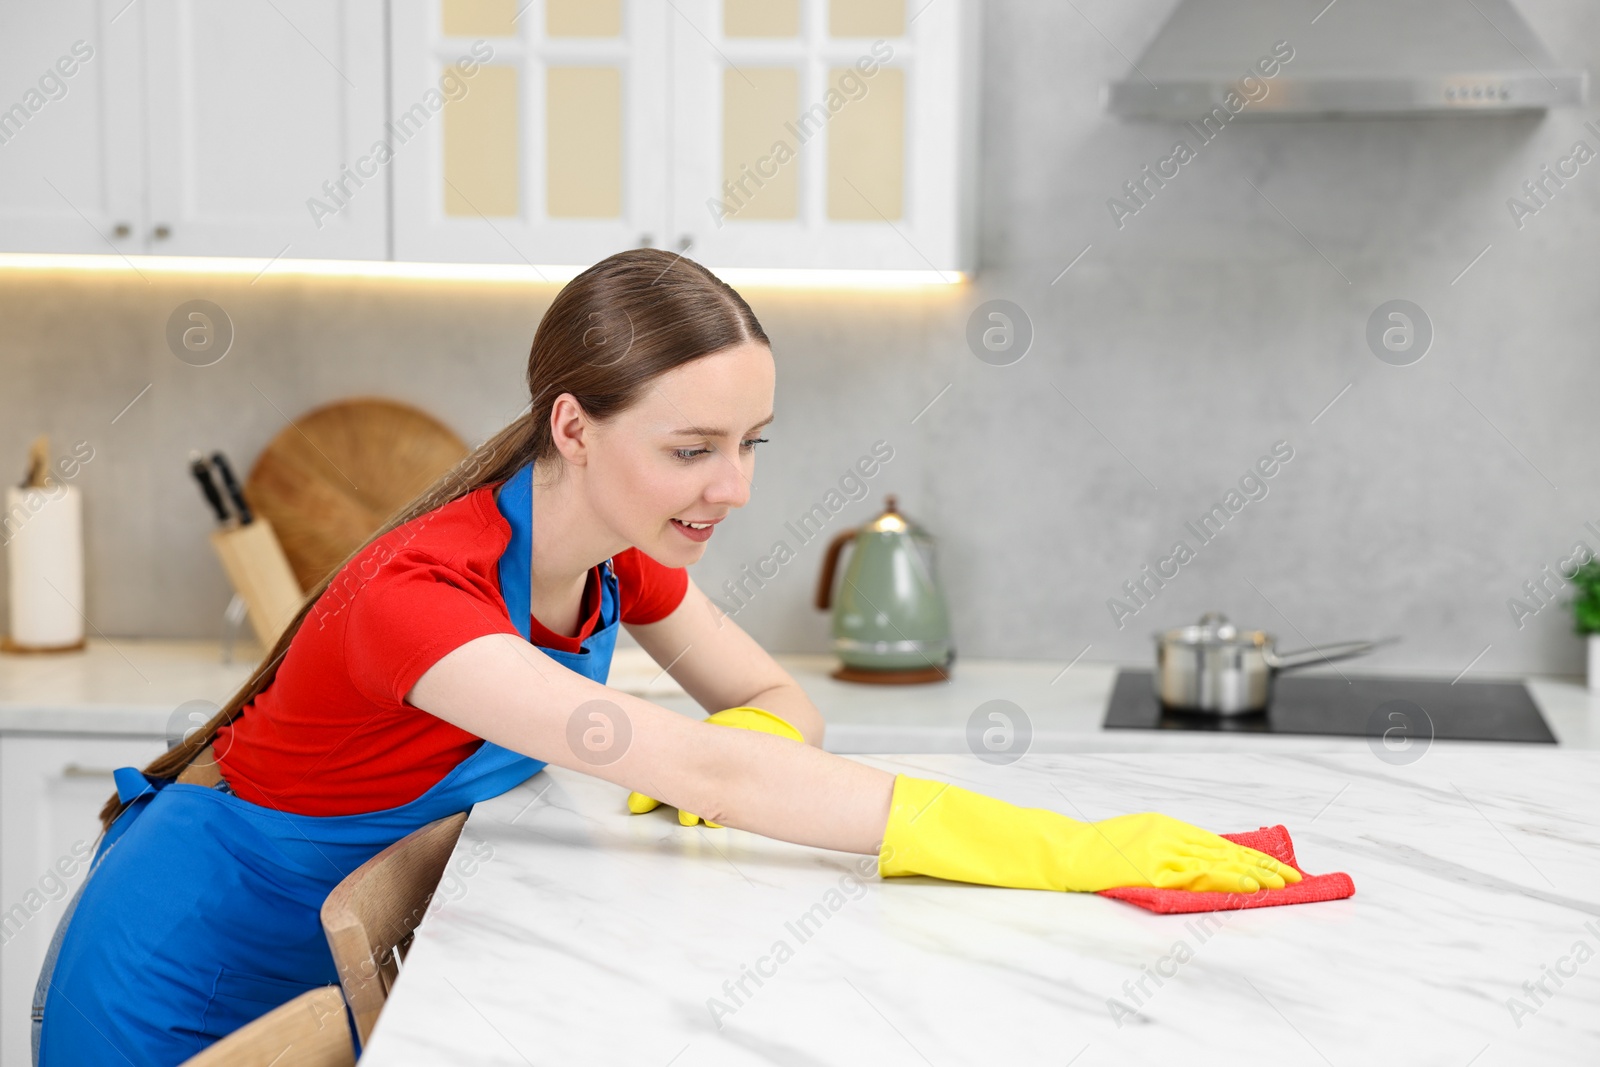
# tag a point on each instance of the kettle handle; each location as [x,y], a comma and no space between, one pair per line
[830,563]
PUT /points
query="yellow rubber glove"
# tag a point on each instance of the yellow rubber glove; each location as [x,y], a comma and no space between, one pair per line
[943,830]
[745,718]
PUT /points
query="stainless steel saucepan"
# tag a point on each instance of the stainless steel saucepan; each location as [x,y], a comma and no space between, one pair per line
[1213,666]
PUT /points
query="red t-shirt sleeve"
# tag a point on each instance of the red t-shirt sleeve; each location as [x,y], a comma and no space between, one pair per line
[410,614]
[649,591]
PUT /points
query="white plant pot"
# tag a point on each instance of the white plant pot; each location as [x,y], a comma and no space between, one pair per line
[1594,663]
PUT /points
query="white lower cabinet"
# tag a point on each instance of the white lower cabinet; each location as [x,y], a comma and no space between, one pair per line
[51,789]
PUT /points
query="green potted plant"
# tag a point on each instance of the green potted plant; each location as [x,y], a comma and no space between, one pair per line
[1586,614]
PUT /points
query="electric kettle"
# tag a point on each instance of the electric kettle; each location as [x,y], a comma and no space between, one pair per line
[890,624]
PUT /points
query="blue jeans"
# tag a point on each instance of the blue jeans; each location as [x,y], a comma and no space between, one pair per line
[45,972]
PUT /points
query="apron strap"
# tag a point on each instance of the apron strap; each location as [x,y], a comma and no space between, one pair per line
[516,504]
[131,784]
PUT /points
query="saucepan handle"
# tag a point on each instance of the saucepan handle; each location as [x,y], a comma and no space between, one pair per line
[1283,661]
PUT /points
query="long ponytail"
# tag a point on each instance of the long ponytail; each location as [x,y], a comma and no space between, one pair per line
[611,330]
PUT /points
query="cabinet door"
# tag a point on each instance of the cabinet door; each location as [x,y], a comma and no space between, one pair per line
[71,148]
[528,131]
[262,121]
[51,789]
[824,133]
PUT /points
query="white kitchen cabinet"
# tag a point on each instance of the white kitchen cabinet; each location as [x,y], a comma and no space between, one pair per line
[71,140]
[749,133]
[259,118]
[527,132]
[825,133]
[51,789]
[194,128]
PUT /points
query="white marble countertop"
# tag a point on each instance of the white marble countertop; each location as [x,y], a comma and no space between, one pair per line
[122,685]
[135,686]
[567,931]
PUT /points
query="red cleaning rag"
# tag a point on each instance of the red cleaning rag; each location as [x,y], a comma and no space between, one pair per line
[1274,841]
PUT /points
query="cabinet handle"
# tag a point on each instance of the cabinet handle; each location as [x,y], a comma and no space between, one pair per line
[77,770]
[684,241]
[162,233]
[646,240]
[122,229]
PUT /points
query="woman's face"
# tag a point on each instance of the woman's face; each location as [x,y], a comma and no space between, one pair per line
[686,451]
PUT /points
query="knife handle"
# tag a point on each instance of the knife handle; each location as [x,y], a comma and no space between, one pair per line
[231,484]
[202,474]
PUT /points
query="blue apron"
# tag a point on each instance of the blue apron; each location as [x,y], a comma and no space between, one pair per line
[202,910]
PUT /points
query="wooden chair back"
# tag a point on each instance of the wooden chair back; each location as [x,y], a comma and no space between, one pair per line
[369,917]
[311,1030]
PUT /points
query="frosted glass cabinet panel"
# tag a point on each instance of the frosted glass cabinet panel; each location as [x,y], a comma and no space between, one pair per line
[478,18]
[534,132]
[482,166]
[583,161]
[583,18]
[841,133]
[867,18]
[757,103]
[866,148]
[761,18]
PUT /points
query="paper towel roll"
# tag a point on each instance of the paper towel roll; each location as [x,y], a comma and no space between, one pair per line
[44,565]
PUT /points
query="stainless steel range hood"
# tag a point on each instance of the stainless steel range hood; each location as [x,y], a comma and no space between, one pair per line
[1352,57]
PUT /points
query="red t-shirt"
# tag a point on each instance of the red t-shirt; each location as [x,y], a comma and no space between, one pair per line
[332,734]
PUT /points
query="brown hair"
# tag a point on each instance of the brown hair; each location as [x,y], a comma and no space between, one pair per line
[608,333]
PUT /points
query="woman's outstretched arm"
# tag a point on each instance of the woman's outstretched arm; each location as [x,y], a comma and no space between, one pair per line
[504,689]
[507,691]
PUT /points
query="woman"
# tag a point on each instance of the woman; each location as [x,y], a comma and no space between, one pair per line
[467,644]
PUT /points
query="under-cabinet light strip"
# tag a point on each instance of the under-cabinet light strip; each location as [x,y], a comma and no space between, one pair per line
[487,272]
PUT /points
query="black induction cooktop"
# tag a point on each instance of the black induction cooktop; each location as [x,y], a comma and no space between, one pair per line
[1352,706]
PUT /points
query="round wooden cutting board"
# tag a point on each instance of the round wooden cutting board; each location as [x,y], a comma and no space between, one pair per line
[336,474]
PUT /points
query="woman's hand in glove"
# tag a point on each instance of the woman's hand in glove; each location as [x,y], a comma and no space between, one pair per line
[942,830]
[745,718]
[1150,849]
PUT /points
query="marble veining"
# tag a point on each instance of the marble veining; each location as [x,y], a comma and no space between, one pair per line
[593,936]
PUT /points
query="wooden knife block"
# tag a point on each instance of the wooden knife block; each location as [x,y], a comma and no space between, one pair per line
[261,574]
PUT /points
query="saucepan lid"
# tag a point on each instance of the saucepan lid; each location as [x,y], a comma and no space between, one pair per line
[1213,631]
